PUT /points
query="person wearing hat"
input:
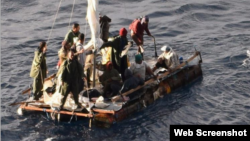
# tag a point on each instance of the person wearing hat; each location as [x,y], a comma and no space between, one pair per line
[140,68]
[168,59]
[72,71]
[118,44]
[39,70]
[137,28]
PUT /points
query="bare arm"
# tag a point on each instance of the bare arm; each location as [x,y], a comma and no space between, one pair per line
[79,52]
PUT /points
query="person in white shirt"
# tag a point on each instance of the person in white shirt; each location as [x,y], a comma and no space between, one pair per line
[85,55]
[168,59]
[140,68]
[80,50]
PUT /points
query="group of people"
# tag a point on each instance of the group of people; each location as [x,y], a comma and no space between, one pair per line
[71,65]
[119,75]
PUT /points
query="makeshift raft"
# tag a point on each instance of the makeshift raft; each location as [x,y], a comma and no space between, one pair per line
[112,112]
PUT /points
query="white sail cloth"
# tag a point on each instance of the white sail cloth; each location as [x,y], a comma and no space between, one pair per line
[95,42]
[92,18]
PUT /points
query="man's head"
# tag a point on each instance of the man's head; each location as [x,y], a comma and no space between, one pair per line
[81,37]
[75,27]
[138,58]
[42,47]
[123,32]
[145,19]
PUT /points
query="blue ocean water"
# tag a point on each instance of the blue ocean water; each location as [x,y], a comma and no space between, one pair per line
[220,30]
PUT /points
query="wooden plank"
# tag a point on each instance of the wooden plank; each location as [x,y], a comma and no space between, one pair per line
[52,111]
[104,111]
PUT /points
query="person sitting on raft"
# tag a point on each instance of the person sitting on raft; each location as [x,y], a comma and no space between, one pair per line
[131,82]
[168,59]
[140,68]
[111,81]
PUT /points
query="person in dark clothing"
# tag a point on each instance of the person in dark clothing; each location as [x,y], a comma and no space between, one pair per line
[104,27]
[131,82]
[39,70]
[71,73]
[118,45]
[111,80]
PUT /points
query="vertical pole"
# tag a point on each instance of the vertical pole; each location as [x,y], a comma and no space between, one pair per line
[155,47]
[94,67]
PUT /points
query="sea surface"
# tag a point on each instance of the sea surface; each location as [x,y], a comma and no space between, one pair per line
[220,30]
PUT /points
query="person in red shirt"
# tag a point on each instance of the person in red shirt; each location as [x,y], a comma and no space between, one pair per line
[137,28]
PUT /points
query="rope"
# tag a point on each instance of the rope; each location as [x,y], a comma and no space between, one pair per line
[71,13]
[73,112]
[54,21]
[90,120]
[56,110]
[76,117]
[53,113]
[90,123]
[44,110]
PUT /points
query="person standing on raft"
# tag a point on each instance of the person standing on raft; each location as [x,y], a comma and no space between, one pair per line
[72,71]
[137,28]
[120,42]
[39,70]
